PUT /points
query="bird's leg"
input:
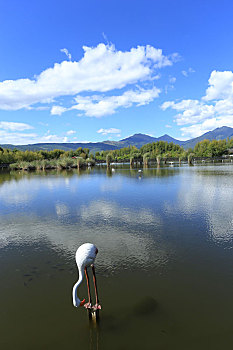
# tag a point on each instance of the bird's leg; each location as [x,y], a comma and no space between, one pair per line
[97,306]
[88,305]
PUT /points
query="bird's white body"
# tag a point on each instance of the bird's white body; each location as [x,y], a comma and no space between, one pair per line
[85,256]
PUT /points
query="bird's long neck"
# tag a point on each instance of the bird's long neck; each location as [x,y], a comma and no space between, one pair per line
[77,284]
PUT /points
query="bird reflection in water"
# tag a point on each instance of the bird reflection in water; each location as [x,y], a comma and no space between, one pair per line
[120,322]
[94,332]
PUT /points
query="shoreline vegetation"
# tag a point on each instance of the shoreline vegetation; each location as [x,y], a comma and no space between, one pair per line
[157,152]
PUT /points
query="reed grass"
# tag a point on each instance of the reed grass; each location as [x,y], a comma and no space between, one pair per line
[108,159]
[146,158]
[190,159]
[44,164]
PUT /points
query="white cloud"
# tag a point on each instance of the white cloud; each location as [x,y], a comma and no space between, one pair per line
[19,138]
[156,55]
[12,126]
[106,38]
[168,126]
[193,111]
[71,132]
[109,131]
[187,72]
[43,124]
[220,86]
[66,52]
[214,109]
[97,106]
[58,110]
[172,80]
[16,138]
[101,69]
[208,125]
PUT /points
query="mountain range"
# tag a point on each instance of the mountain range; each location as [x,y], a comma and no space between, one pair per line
[137,140]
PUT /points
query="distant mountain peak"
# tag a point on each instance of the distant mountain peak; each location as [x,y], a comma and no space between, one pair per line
[137,140]
[222,128]
[139,137]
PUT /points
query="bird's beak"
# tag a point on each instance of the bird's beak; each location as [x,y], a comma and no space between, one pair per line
[82,302]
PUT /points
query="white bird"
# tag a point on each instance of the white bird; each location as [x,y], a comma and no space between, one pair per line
[85,257]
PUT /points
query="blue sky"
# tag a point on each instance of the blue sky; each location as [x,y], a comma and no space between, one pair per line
[75,71]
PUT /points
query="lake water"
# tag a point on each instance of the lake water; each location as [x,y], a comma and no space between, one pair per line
[164,268]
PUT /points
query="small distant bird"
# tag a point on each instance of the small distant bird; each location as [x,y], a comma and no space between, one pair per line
[85,257]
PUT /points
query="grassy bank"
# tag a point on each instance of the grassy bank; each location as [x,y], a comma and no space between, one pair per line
[80,163]
[45,164]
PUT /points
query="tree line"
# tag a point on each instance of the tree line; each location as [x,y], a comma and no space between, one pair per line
[14,156]
[205,148]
